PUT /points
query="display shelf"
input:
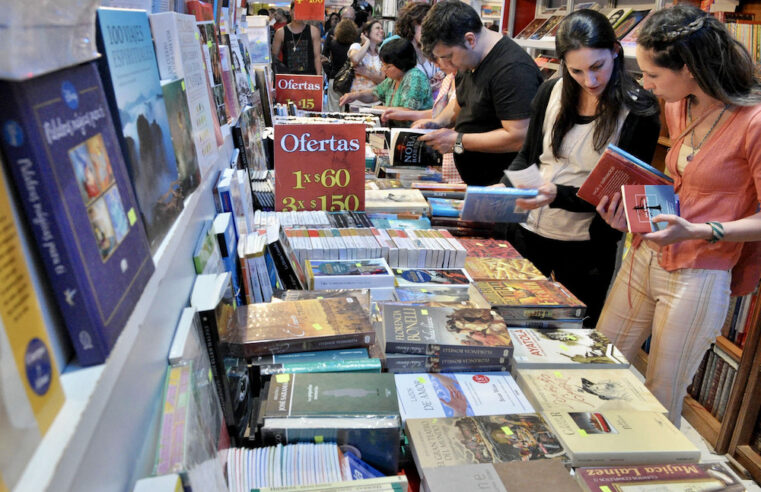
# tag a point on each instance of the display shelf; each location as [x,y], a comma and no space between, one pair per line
[702,420]
[94,442]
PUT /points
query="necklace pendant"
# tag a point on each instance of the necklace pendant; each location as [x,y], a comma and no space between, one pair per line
[690,157]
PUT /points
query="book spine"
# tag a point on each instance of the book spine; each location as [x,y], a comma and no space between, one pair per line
[537,312]
[707,377]
[361,365]
[348,340]
[211,339]
[714,403]
[469,351]
[32,182]
[726,393]
[713,385]
[698,379]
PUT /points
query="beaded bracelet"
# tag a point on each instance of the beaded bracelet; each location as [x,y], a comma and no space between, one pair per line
[717,232]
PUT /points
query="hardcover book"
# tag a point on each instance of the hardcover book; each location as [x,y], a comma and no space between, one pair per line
[575,390]
[615,168]
[662,477]
[614,437]
[424,395]
[348,274]
[444,331]
[643,202]
[483,204]
[531,299]
[568,348]
[62,151]
[298,326]
[502,477]
[407,150]
[131,78]
[188,171]
[502,269]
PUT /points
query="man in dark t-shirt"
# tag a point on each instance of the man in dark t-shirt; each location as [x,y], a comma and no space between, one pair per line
[496,83]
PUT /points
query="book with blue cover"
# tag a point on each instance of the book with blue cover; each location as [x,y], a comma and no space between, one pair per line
[486,204]
[62,151]
[131,78]
[642,203]
[445,207]
[188,169]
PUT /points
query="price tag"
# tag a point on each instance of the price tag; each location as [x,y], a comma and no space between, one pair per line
[305,91]
[507,430]
[282,378]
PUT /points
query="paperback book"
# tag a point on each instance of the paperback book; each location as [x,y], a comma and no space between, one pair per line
[348,274]
[432,279]
[408,150]
[484,204]
[489,248]
[531,299]
[502,269]
[531,28]
[644,202]
[413,363]
[662,477]
[188,171]
[569,348]
[395,200]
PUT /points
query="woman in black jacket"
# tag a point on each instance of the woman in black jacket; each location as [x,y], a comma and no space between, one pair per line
[594,103]
[336,51]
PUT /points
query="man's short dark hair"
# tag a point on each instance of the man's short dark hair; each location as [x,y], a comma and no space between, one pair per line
[447,22]
[400,53]
[262,12]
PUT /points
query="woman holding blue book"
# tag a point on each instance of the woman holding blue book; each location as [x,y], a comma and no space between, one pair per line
[676,283]
[594,103]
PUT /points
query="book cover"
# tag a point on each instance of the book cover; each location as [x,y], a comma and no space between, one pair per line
[312,367]
[545,28]
[643,202]
[443,442]
[489,248]
[574,390]
[424,395]
[568,348]
[349,274]
[552,27]
[445,207]
[615,168]
[31,394]
[207,258]
[610,437]
[188,171]
[407,150]
[530,29]
[444,330]
[502,477]
[252,126]
[531,299]
[433,279]
[662,477]
[484,204]
[631,20]
[298,326]
[63,154]
[502,269]
[395,200]
[210,51]
[361,295]
[630,40]
[618,15]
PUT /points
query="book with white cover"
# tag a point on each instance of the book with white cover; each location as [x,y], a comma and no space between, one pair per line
[620,437]
[564,348]
[428,395]
[574,390]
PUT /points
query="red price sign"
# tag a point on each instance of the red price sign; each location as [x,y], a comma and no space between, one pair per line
[320,167]
[309,10]
[305,91]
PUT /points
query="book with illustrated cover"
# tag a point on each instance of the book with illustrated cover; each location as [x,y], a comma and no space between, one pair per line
[445,207]
[131,78]
[298,326]
[406,150]
[432,279]
[489,248]
[425,395]
[210,51]
[188,171]
[643,202]
[630,40]
[531,28]
[554,25]
[502,269]
[444,331]
[567,348]
[395,200]
[348,274]
[630,22]
[545,28]
[62,151]
[484,204]
[615,168]
[531,299]
[362,295]
[618,15]
[613,437]
[573,390]
[517,476]
[661,477]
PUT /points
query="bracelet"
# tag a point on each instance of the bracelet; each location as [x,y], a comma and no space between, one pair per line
[717,232]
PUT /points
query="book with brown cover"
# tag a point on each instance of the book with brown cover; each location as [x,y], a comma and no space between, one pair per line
[531,299]
[489,248]
[502,269]
[503,477]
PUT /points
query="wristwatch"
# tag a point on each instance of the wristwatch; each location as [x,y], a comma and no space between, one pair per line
[458,148]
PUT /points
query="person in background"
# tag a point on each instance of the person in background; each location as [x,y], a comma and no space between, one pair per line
[408,25]
[299,45]
[366,59]
[336,51]
[576,116]
[331,23]
[675,283]
[496,82]
[281,19]
[405,86]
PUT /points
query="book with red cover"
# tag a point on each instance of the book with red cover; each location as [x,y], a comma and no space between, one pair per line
[703,476]
[644,202]
[489,248]
[531,28]
[615,168]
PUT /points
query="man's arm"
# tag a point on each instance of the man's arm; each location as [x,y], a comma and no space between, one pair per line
[316,48]
[509,138]
[445,119]
[277,43]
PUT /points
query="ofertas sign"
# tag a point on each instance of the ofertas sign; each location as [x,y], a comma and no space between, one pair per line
[305,91]
[320,167]
[309,10]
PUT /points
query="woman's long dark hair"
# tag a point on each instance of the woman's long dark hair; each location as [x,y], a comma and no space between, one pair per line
[590,29]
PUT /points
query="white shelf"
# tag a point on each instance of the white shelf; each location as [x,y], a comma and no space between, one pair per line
[102,430]
[548,45]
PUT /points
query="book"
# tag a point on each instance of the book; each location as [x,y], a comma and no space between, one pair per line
[444,331]
[31,394]
[614,437]
[484,204]
[570,348]
[395,200]
[551,27]
[663,477]
[618,15]
[489,248]
[298,326]
[574,390]
[502,477]
[210,52]
[188,170]
[424,395]
[545,28]
[502,269]
[312,367]
[615,168]
[445,207]
[348,274]
[629,41]
[630,22]
[131,78]
[406,150]
[413,363]
[359,410]
[432,279]
[361,295]
[643,202]
[531,299]
[530,29]
[62,151]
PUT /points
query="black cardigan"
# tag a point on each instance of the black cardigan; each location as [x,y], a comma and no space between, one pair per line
[639,136]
